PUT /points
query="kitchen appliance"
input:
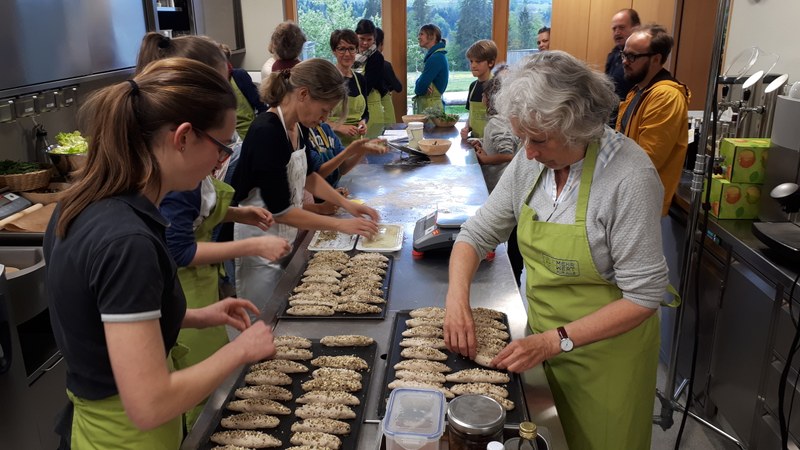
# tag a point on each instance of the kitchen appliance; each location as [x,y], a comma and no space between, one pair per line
[780,227]
[32,372]
[438,230]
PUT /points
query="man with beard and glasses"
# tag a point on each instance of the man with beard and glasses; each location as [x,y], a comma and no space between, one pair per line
[655,111]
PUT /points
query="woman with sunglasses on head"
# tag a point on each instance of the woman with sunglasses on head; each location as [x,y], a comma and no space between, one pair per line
[115,303]
[351,123]
[276,166]
[194,214]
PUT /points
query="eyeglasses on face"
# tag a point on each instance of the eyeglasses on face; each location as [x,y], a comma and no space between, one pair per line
[225,150]
[632,57]
[344,50]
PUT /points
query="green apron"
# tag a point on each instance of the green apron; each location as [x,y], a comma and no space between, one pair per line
[604,392]
[244,112]
[432,100]
[477,114]
[355,109]
[201,287]
[388,108]
[103,424]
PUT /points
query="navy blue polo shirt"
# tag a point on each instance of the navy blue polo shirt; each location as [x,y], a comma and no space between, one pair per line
[112,266]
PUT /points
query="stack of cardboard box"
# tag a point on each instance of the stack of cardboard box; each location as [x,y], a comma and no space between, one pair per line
[737,194]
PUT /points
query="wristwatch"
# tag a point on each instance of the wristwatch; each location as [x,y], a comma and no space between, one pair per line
[566,343]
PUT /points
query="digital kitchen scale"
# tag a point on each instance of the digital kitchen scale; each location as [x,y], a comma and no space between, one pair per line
[437,230]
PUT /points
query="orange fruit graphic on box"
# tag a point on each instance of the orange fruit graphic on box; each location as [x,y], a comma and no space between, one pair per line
[747,158]
[752,194]
[733,194]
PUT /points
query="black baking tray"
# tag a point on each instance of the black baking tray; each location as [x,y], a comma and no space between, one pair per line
[456,362]
[283,431]
[343,315]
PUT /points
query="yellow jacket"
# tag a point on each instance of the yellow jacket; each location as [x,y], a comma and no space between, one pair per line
[660,125]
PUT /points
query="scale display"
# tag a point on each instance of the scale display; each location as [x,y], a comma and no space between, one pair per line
[438,230]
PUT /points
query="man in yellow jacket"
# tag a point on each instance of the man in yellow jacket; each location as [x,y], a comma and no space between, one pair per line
[655,113]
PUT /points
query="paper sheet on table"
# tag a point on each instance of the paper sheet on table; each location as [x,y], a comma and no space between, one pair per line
[394,134]
[35,222]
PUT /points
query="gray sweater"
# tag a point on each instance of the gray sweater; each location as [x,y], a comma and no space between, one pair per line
[497,138]
[623,217]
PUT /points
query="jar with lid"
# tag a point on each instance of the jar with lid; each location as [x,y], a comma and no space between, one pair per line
[474,421]
[527,440]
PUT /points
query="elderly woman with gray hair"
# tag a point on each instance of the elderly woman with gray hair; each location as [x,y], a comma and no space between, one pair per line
[586,201]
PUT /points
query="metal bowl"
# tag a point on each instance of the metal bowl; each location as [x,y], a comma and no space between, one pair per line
[67,163]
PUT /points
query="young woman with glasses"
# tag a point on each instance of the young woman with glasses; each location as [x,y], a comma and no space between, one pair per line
[194,214]
[351,123]
[115,302]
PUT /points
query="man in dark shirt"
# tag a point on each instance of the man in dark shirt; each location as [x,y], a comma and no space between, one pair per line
[622,24]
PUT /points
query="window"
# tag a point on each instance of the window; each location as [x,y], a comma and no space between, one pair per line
[526,18]
[318,19]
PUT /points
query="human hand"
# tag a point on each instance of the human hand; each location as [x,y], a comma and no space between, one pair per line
[359,226]
[270,247]
[229,311]
[376,146]
[465,132]
[255,216]
[348,130]
[430,90]
[360,210]
[459,328]
[343,190]
[362,127]
[256,343]
[522,354]
[326,208]
[480,154]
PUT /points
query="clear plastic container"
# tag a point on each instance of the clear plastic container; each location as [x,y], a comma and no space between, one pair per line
[414,419]
[415,133]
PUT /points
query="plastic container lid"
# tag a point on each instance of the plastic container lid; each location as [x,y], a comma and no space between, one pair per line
[414,417]
[415,125]
[494,445]
[476,415]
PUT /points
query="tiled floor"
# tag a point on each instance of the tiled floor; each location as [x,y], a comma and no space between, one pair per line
[695,435]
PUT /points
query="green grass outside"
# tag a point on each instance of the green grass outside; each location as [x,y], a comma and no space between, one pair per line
[458,82]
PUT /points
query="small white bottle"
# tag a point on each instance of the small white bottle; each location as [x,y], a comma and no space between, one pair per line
[495,445]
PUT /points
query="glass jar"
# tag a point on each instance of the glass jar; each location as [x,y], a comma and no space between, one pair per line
[474,421]
[528,438]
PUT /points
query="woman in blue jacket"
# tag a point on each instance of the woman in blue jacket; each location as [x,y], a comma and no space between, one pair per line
[432,82]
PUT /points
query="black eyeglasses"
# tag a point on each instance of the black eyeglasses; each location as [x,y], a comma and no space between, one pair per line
[225,150]
[632,57]
[346,49]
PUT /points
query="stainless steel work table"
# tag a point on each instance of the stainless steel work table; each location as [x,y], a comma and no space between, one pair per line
[403,194]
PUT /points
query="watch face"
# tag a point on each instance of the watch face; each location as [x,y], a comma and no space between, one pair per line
[566,344]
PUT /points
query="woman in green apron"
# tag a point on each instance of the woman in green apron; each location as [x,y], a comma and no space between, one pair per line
[432,82]
[585,201]
[390,83]
[482,55]
[352,124]
[369,62]
[114,300]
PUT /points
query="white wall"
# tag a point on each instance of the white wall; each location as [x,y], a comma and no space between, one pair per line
[260,17]
[769,25]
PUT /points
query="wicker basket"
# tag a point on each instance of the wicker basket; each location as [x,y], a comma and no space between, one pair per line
[46,198]
[27,181]
[441,123]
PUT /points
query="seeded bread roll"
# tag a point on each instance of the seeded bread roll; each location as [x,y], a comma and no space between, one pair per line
[316,438]
[479,388]
[293,354]
[488,322]
[420,321]
[425,376]
[340,397]
[326,410]
[422,364]
[310,310]
[249,421]
[478,376]
[314,301]
[320,279]
[281,365]
[487,312]
[369,256]
[307,447]
[291,341]
[421,385]
[364,276]
[331,372]
[334,255]
[357,308]
[326,265]
[264,391]
[363,298]
[331,384]
[322,425]
[363,269]
[361,290]
[267,376]
[347,340]
[231,447]
[424,331]
[423,353]
[507,404]
[312,271]
[491,332]
[437,343]
[430,312]
[484,359]
[318,287]
[246,438]
[351,282]
[342,362]
[258,405]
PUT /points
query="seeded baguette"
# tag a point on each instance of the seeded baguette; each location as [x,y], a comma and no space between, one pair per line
[363,269]
[311,271]
[363,298]
[231,447]
[421,321]
[369,256]
[310,310]
[323,425]
[347,340]
[340,397]
[326,265]
[488,312]
[246,438]
[316,438]
[361,290]
[264,391]
[422,364]
[342,362]
[483,331]
[314,301]
[479,388]
[307,447]
[481,321]
[430,312]
[421,385]
[437,343]
[424,331]
[421,375]
[281,365]
[357,308]
[423,353]
[293,354]
[327,410]
[267,376]
[250,421]
[331,384]
[291,341]
[258,405]
[331,372]
[478,376]
[507,404]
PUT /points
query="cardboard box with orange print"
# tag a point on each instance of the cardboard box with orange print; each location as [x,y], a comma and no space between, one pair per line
[745,159]
[734,200]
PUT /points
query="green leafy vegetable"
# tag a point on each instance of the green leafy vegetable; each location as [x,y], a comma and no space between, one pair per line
[438,113]
[8,167]
[70,143]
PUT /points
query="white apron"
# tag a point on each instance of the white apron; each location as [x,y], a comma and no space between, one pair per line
[256,277]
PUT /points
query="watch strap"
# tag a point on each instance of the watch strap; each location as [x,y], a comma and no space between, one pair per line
[562,333]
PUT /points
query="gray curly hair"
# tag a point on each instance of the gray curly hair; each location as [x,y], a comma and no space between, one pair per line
[553,92]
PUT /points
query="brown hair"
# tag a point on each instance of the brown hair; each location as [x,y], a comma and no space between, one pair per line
[123,120]
[322,79]
[348,36]
[156,46]
[660,41]
[287,41]
[483,50]
[431,29]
